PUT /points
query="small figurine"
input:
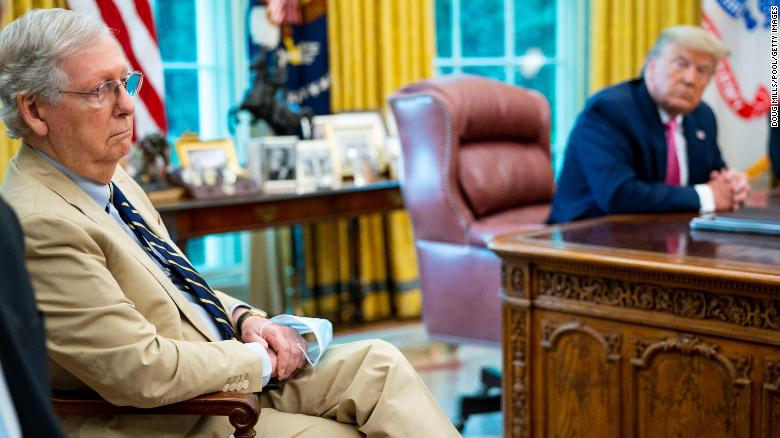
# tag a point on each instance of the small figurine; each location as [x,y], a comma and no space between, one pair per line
[150,161]
[266,101]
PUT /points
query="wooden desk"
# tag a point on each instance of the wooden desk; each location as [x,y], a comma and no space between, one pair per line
[188,219]
[636,326]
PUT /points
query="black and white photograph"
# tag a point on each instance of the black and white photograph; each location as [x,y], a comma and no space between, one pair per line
[316,166]
[278,162]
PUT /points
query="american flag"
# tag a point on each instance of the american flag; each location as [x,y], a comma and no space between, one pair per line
[739,95]
[134,29]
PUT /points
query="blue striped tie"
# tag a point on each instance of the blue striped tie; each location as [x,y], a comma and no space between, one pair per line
[181,270]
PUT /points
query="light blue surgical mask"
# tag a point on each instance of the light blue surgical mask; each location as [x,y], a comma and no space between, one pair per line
[322,329]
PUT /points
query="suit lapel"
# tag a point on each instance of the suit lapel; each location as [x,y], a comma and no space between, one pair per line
[123,180]
[695,139]
[655,131]
[59,183]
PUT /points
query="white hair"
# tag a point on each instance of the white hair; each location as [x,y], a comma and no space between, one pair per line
[31,50]
[691,37]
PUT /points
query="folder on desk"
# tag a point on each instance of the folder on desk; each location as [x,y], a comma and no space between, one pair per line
[746,220]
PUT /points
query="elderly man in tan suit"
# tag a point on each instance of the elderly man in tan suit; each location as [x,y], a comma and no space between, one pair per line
[126,315]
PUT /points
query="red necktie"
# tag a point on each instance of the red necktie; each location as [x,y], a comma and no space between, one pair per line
[672,165]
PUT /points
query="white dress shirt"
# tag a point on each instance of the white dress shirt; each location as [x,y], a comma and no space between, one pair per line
[706,197]
[9,422]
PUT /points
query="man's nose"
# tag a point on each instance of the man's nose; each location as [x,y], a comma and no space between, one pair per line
[124,105]
[690,74]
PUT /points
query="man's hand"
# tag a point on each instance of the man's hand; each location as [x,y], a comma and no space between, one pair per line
[284,345]
[721,190]
[740,188]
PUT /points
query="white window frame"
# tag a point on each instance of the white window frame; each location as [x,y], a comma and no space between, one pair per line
[572,77]
[222,79]
[571,72]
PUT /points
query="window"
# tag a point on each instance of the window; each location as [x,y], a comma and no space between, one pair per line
[205,68]
[537,44]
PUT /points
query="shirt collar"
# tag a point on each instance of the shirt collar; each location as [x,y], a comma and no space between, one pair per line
[100,193]
[665,117]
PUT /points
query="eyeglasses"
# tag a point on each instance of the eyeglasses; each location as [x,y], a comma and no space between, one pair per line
[132,84]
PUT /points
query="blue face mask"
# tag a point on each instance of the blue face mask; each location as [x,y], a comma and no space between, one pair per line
[321,328]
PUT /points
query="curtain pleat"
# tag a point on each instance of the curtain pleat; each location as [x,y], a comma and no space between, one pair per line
[624,30]
[328,270]
[371,70]
[373,275]
[375,47]
[335,57]
[404,266]
[266,269]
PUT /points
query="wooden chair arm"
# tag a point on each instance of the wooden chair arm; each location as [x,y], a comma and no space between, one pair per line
[242,409]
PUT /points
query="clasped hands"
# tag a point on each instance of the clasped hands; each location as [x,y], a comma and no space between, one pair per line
[730,189]
[285,346]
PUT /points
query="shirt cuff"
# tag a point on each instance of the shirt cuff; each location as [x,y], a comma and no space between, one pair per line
[706,198]
[264,357]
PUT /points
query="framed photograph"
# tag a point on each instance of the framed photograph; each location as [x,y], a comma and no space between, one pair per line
[358,141]
[278,162]
[206,155]
[316,164]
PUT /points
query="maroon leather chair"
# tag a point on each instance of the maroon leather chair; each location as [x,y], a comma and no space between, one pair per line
[476,158]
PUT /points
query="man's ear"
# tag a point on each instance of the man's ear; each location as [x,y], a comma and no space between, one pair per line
[32,114]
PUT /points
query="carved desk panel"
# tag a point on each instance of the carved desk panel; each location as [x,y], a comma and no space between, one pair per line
[636,326]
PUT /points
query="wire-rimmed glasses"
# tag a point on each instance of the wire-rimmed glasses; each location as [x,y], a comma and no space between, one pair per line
[132,84]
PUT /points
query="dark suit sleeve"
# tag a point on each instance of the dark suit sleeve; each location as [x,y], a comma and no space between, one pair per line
[23,346]
[609,159]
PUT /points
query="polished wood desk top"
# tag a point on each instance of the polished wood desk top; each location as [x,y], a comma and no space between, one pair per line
[194,218]
[653,241]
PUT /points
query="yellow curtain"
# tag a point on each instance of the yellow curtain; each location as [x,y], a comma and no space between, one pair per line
[15,9]
[624,30]
[374,48]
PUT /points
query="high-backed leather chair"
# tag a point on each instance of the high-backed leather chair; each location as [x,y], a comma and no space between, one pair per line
[476,158]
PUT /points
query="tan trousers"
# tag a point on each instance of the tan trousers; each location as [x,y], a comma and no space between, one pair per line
[365,388]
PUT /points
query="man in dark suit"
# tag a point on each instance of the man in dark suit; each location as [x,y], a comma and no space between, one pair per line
[650,144]
[25,408]
[23,349]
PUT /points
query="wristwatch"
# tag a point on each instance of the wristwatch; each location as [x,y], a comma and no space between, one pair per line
[244,316]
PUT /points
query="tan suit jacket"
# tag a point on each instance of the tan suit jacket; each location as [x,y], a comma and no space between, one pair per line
[114,321]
